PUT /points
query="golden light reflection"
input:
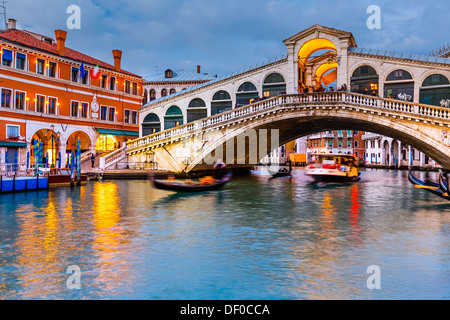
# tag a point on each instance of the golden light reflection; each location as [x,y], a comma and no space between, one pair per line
[40,245]
[109,236]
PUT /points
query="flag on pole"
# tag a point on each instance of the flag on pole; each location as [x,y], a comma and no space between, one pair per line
[82,70]
[95,73]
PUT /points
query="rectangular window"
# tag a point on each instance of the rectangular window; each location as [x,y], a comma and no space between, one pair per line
[74,109]
[12,131]
[20,61]
[103,112]
[340,143]
[134,117]
[75,74]
[135,90]
[355,132]
[6,98]
[7,58]
[349,143]
[84,109]
[52,105]
[52,70]
[85,79]
[40,66]
[127,86]
[20,100]
[112,83]
[112,114]
[104,81]
[40,104]
[126,117]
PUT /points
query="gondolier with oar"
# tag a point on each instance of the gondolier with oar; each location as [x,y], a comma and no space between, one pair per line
[219,169]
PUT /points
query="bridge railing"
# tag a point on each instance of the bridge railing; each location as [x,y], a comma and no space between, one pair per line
[295,99]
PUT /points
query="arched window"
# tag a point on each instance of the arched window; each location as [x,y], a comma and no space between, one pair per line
[145,100]
[435,91]
[365,80]
[274,85]
[169,74]
[152,94]
[163,92]
[221,102]
[197,103]
[246,92]
[196,110]
[173,117]
[151,124]
[172,91]
[398,87]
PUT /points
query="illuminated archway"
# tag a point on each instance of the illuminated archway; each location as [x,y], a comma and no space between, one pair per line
[306,64]
[327,73]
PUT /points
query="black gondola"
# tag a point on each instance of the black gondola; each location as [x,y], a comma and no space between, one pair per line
[429,186]
[282,173]
[192,187]
[443,181]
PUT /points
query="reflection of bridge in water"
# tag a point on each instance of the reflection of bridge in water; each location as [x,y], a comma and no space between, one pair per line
[422,126]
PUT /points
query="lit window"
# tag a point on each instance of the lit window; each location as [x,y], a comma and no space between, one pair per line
[52,70]
[74,109]
[103,112]
[40,66]
[12,131]
[134,117]
[20,61]
[127,86]
[112,114]
[40,104]
[84,110]
[52,105]
[20,100]
[6,98]
[127,116]
[112,84]
[7,58]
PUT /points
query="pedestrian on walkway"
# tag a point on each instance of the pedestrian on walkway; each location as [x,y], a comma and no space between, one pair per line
[93,159]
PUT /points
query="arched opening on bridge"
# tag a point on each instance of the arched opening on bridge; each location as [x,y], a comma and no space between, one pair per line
[326,74]
[196,110]
[365,80]
[435,91]
[274,85]
[221,102]
[173,117]
[399,85]
[245,93]
[151,124]
[152,94]
[307,63]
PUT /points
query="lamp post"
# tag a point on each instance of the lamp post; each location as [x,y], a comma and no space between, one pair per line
[58,135]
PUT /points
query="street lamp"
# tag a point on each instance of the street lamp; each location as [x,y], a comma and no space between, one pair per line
[54,138]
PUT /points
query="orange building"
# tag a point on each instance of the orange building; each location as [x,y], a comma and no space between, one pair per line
[55,95]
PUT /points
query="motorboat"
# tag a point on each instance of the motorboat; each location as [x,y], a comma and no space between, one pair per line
[334,168]
[429,186]
[203,184]
[63,176]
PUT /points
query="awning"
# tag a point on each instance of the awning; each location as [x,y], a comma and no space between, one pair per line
[112,132]
[13,144]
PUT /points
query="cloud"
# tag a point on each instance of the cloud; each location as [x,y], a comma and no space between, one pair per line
[224,36]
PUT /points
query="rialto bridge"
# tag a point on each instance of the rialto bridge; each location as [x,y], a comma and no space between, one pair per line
[403,96]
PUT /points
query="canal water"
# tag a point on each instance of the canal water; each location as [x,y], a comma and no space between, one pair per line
[258,238]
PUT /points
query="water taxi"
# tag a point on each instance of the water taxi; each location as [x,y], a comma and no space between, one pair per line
[334,168]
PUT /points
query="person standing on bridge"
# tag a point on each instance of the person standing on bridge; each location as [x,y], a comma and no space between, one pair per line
[92,159]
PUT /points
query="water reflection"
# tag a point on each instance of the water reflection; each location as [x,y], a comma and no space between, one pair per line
[255,239]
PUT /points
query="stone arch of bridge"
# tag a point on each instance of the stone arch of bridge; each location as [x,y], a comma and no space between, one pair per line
[294,125]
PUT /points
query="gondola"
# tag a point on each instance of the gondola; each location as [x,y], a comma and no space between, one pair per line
[443,181]
[429,186]
[282,173]
[192,186]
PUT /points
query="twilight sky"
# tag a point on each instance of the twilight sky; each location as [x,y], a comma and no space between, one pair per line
[224,36]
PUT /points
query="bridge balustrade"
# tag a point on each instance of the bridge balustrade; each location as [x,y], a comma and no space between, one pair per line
[295,99]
